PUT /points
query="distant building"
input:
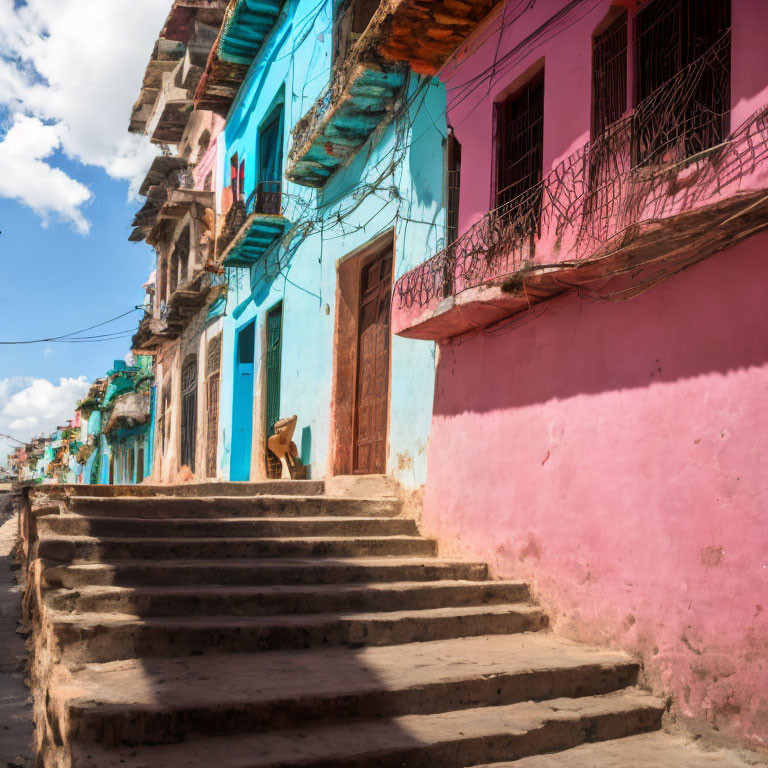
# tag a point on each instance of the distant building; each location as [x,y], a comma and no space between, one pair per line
[118,423]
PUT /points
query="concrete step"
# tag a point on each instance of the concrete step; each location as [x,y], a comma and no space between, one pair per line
[267,488]
[92,550]
[271,600]
[234,506]
[652,750]
[244,527]
[94,637]
[452,739]
[136,573]
[156,701]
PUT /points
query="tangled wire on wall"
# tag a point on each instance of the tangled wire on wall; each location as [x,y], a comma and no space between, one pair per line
[669,156]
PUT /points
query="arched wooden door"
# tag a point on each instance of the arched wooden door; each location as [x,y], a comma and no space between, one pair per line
[189,411]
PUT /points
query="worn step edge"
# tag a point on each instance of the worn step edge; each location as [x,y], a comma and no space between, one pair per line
[200,489]
[234,506]
[449,740]
[651,750]
[317,570]
[84,638]
[128,527]
[335,684]
[282,599]
[92,549]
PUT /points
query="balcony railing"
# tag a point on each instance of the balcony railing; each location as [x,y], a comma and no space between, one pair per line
[363,92]
[670,156]
[265,200]
[251,226]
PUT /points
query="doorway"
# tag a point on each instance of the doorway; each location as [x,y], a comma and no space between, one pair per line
[372,393]
[189,411]
[140,466]
[361,360]
[274,347]
[212,387]
[242,403]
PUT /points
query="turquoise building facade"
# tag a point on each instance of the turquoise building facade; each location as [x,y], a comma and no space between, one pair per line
[118,425]
[311,258]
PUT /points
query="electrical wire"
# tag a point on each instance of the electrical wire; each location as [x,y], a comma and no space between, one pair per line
[75,335]
[10,437]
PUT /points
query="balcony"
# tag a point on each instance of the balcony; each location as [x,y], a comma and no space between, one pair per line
[251,227]
[162,171]
[179,202]
[170,189]
[366,84]
[659,190]
[129,411]
[362,95]
[168,321]
[175,68]
[424,33]
[245,28]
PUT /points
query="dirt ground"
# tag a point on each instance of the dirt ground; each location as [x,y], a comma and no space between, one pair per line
[15,706]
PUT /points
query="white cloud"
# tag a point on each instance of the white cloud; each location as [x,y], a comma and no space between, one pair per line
[47,352]
[76,66]
[25,176]
[29,406]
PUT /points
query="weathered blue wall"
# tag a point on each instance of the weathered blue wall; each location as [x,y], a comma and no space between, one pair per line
[394,184]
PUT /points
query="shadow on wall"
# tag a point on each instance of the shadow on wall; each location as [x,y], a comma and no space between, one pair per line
[712,318]
[624,475]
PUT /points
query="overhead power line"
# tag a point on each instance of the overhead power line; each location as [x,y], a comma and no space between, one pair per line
[10,437]
[75,335]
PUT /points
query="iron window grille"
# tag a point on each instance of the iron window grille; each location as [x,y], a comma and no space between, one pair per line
[520,155]
[609,74]
[672,38]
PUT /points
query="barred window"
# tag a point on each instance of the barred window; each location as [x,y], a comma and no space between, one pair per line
[453,191]
[609,74]
[520,154]
[682,77]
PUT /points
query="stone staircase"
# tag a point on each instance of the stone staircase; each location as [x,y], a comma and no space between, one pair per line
[278,626]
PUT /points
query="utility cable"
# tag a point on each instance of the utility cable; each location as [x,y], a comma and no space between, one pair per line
[69,336]
[10,437]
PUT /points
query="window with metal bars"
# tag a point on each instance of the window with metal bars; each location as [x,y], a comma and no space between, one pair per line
[453,184]
[609,74]
[520,155]
[682,78]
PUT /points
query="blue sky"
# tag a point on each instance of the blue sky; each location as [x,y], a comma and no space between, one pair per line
[56,280]
[68,169]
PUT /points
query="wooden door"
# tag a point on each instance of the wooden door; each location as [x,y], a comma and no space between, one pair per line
[189,411]
[274,348]
[213,377]
[372,396]
[212,429]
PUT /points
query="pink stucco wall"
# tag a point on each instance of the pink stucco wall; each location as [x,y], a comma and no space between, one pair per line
[617,456]
[516,42]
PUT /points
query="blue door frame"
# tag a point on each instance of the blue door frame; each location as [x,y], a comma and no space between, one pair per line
[242,403]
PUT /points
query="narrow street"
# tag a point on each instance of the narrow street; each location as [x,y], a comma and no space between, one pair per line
[382,384]
[15,706]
